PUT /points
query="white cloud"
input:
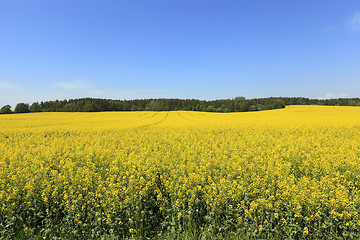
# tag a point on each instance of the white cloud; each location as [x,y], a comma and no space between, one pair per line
[329,95]
[28,97]
[5,85]
[71,85]
[343,95]
[142,93]
[97,93]
[354,22]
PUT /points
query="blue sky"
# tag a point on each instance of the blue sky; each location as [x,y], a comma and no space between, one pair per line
[203,49]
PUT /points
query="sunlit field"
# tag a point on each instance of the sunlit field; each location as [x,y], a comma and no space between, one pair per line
[288,173]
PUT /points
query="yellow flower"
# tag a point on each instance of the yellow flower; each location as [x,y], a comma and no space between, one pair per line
[299,161]
[306,231]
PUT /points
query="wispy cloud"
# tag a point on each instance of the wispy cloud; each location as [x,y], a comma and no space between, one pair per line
[343,95]
[79,88]
[329,95]
[332,95]
[124,94]
[9,86]
[97,93]
[74,85]
[141,93]
[354,22]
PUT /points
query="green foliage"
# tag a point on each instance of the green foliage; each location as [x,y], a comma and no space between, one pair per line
[252,108]
[35,107]
[237,104]
[22,108]
[5,109]
[157,105]
[239,99]
[134,108]
[278,103]
[91,107]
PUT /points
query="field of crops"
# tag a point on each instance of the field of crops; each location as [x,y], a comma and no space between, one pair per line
[289,173]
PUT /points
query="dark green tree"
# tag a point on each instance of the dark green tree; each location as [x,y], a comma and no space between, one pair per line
[35,107]
[69,107]
[6,109]
[156,105]
[278,103]
[90,107]
[253,108]
[239,99]
[22,108]
[210,108]
[260,107]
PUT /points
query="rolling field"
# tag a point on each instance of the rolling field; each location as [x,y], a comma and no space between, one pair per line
[289,173]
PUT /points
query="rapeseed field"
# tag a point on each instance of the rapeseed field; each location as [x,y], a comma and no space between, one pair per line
[289,173]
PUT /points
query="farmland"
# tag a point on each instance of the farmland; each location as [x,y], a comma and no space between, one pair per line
[286,173]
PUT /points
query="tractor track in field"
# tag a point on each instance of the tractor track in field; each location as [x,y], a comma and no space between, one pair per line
[146,126]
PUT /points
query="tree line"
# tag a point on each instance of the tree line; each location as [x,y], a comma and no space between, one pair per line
[237,104]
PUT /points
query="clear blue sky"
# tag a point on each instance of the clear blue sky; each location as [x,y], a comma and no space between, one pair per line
[205,49]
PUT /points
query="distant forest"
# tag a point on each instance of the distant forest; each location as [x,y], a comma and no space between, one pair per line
[237,104]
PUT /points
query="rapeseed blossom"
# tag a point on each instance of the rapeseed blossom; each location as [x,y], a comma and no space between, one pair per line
[292,172]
